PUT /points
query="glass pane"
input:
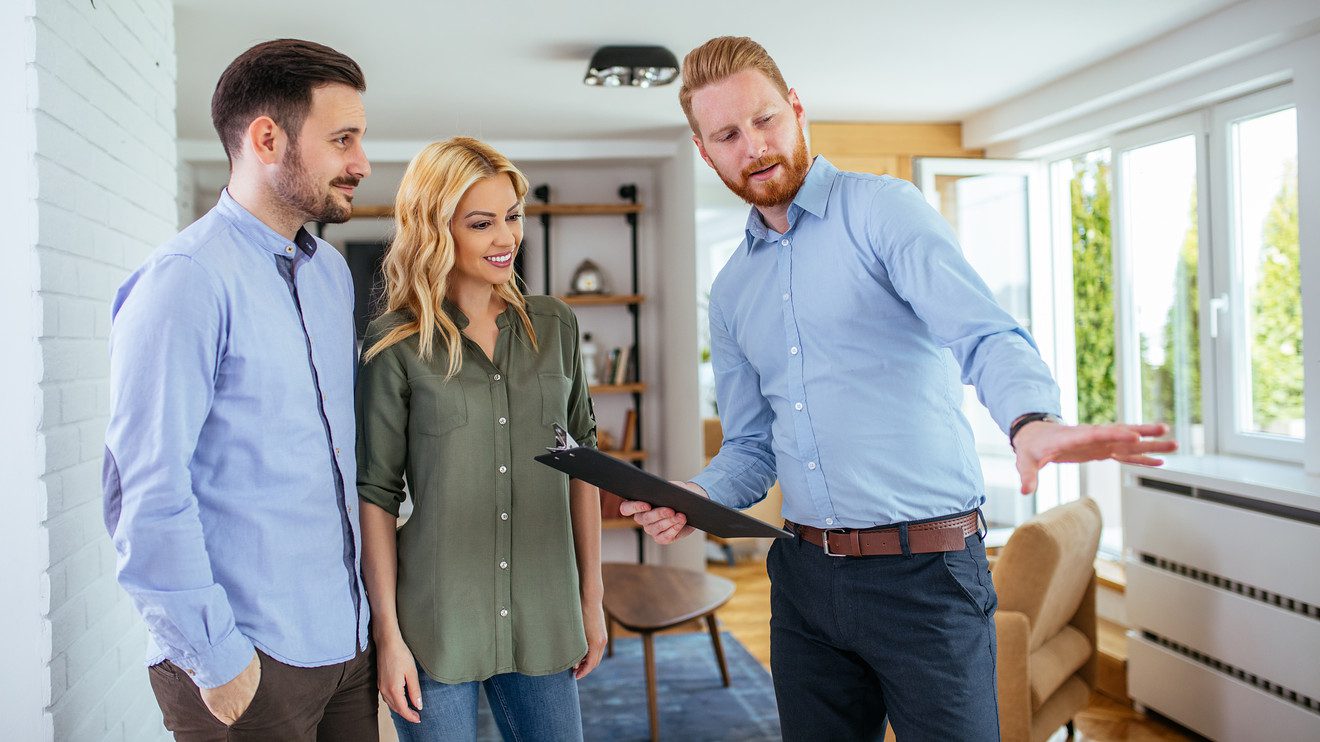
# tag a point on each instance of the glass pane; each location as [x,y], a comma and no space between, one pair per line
[1265,211]
[1088,190]
[1093,288]
[1160,223]
[989,215]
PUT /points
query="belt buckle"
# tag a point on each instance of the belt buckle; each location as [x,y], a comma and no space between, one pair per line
[825,540]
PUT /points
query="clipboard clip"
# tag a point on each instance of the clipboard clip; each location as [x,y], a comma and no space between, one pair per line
[563,441]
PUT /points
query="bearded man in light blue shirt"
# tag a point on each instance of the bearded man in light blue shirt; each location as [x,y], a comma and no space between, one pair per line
[229,465]
[828,333]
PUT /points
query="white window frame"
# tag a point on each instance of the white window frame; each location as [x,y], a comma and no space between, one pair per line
[1231,389]
[1127,347]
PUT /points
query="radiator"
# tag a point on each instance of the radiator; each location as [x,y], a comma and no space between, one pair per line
[1223,599]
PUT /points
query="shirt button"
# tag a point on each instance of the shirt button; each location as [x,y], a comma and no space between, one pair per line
[793,350]
[797,406]
[288,249]
[503,421]
[503,469]
[784,242]
[504,565]
[811,465]
[785,297]
[336,451]
[192,671]
[504,516]
[496,377]
[504,611]
[829,521]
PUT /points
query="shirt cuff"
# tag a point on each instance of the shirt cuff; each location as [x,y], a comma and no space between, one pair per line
[221,664]
[1028,400]
[715,483]
[381,498]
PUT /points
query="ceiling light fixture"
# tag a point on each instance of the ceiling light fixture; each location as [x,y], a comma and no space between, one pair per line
[638,66]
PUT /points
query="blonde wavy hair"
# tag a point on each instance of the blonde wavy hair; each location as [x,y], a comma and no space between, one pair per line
[418,262]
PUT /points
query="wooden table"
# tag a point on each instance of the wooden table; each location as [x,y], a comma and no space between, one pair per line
[648,598]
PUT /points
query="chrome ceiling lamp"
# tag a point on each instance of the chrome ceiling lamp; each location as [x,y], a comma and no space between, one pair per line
[638,66]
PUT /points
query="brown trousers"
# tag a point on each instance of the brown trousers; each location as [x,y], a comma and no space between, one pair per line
[334,703]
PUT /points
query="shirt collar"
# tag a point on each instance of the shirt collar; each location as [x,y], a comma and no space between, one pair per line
[262,235]
[812,197]
[461,320]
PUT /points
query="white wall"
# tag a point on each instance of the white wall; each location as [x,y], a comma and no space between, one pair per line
[24,635]
[92,189]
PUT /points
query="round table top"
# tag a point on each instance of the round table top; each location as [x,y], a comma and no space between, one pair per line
[647,597]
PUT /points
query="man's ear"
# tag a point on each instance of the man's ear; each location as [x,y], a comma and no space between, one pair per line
[798,111]
[696,139]
[266,140]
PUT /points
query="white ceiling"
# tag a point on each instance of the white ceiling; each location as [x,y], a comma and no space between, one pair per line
[511,69]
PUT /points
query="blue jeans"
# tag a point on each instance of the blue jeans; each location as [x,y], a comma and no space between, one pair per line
[526,707]
[854,640]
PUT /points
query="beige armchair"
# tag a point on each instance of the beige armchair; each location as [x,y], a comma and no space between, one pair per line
[1045,625]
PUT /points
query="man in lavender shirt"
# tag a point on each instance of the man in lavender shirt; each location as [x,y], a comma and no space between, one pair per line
[231,426]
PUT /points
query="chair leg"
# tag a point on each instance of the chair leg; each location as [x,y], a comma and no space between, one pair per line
[652,710]
[719,648]
[1072,729]
[609,636]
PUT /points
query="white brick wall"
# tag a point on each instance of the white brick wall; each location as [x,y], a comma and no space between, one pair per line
[101,94]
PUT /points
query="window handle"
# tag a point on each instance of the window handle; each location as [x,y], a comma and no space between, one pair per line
[1218,305]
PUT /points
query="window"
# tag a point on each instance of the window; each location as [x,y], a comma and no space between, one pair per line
[1197,320]
[1082,187]
[1159,253]
[1257,304]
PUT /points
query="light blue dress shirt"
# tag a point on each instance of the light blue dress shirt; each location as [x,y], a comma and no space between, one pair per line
[828,344]
[231,431]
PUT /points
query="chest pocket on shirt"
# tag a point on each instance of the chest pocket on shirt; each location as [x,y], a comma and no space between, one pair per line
[554,398]
[438,406]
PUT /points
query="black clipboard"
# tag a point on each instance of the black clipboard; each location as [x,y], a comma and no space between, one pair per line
[632,483]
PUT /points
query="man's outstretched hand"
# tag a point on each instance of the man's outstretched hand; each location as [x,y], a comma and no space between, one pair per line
[662,524]
[1039,443]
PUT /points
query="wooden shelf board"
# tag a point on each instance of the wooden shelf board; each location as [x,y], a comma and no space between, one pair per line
[601,300]
[627,455]
[384,211]
[617,388]
[611,523]
[535,209]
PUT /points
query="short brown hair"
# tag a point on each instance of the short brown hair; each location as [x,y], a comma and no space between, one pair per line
[722,57]
[276,79]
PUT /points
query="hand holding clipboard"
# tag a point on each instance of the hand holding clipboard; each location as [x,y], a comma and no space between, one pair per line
[636,485]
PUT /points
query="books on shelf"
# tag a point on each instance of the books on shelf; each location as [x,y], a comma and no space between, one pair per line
[629,438]
[620,366]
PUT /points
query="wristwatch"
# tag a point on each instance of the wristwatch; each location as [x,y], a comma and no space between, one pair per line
[1030,417]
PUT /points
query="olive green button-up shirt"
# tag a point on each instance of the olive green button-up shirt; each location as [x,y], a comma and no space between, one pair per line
[487,579]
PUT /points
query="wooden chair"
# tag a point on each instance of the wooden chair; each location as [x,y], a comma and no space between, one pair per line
[648,598]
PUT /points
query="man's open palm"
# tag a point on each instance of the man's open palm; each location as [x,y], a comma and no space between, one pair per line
[1039,443]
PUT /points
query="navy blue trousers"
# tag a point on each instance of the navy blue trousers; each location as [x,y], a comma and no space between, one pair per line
[856,640]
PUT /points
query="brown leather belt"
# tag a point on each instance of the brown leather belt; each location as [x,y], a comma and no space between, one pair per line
[927,537]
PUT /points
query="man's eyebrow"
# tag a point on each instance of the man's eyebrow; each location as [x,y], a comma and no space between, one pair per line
[347,130]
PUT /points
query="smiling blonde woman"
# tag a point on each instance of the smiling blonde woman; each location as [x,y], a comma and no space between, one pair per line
[494,580]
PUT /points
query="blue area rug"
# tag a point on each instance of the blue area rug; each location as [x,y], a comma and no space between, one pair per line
[694,706]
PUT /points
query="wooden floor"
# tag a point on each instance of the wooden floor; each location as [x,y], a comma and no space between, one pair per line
[747,617]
